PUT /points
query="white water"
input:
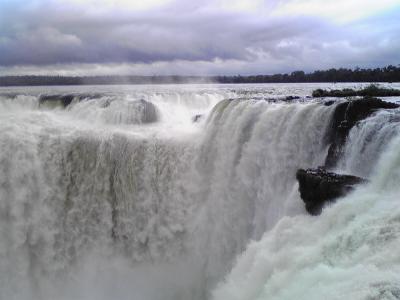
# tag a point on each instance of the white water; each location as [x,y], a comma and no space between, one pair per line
[350,251]
[367,140]
[96,205]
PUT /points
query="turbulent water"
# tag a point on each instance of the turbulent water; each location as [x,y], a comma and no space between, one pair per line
[189,192]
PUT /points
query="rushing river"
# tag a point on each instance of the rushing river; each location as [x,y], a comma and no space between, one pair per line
[189,193]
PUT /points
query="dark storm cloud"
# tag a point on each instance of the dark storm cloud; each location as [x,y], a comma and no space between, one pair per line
[47,35]
[50,32]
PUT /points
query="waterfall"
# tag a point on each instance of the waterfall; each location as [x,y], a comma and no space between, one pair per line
[349,251]
[120,195]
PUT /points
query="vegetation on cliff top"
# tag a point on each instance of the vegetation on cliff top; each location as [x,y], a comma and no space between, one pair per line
[386,74]
[369,91]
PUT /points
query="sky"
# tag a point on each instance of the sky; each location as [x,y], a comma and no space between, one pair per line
[195,37]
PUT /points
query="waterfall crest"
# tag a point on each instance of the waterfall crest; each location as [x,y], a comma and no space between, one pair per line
[124,192]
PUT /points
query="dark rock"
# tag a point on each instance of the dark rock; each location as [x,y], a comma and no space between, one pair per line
[318,187]
[318,93]
[291,98]
[197,118]
[63,100]
[329,103]
[56,100]
[346,115]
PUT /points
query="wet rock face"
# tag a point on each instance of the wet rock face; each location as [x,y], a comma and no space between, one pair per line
[291,98]
[346,115]
[60,100]
[318,187]
[197,118]
[56,100]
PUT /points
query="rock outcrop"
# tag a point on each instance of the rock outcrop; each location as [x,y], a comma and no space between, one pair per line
[50,101]
[63,100]
[346,115]
[197,118]
[318,187]
[291,98]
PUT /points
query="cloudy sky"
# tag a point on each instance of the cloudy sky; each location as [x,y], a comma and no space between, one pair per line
[199,37]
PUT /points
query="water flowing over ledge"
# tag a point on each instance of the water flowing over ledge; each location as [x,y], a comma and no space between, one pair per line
[120,195]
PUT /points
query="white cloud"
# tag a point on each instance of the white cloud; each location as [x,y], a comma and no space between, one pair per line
[336,10]
[125,4]
[240,5]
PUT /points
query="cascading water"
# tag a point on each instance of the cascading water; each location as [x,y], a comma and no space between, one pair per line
[121,195]
[368,140]
[350,251]
[246,163]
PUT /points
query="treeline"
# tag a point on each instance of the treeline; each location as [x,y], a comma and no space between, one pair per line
[386,74]
[371,90]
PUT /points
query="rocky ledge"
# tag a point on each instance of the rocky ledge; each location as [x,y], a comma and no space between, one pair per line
[348,114]
[318,187]
[63,100]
